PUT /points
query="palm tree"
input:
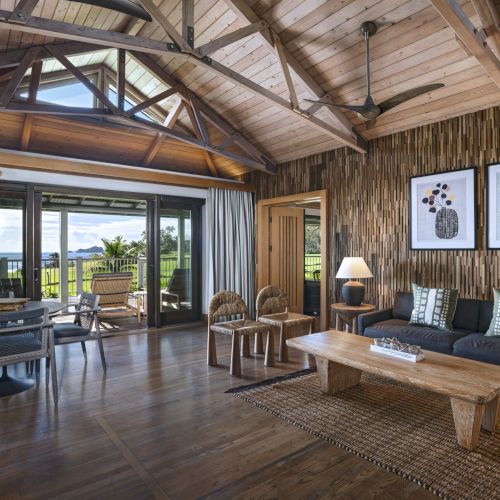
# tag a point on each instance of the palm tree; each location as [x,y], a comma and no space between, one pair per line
[114,249]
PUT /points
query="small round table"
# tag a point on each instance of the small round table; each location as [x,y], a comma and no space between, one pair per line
[10,385]
[347,316]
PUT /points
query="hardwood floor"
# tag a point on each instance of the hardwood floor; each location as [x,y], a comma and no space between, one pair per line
[158,425]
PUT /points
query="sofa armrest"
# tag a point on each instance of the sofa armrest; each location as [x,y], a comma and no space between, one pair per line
[371,318]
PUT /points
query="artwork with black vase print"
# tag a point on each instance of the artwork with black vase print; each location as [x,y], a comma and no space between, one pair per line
[443,211]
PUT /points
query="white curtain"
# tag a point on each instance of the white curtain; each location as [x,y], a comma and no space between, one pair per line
[231,260]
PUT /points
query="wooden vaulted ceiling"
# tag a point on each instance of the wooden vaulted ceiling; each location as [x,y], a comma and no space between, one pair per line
[416,44]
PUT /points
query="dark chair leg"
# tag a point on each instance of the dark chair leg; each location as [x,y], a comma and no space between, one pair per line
[84,350]
[37,371]
[53,371]
[101,348]
[283,353]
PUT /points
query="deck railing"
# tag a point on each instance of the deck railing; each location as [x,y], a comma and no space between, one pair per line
[312,267]
[80,271]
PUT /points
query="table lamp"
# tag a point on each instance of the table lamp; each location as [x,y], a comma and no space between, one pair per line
[353,292]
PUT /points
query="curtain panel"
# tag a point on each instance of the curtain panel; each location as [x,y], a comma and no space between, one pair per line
[231,241]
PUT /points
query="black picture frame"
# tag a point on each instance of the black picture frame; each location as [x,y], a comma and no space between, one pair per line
[472,217]
[488,169]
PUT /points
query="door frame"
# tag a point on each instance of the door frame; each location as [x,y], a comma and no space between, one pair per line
[195,206]
[263,207]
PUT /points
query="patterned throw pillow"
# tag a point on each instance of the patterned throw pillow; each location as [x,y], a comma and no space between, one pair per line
[494,328]
[433,307]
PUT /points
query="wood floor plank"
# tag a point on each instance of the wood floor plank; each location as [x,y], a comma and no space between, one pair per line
[159,424]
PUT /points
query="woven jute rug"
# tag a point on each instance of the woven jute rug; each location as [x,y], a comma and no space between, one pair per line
[401,428]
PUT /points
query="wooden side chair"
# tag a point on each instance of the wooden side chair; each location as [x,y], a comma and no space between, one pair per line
[272,310]
[113,290]
[82,327]
[228,304]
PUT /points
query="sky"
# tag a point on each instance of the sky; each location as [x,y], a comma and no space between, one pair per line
[85,230]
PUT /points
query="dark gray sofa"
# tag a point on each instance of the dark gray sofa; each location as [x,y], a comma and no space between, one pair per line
[472,319]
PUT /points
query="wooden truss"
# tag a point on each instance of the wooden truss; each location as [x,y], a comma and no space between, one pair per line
[182,46]
[201,111]
[475,41]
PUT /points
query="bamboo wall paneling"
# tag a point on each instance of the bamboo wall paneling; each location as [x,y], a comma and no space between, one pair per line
[368,205]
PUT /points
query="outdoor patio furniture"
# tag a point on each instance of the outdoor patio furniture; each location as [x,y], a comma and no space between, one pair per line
[177,290]
[228,304]
[81,329]
[114,290]
[13,285]
[25,337]
[272,310]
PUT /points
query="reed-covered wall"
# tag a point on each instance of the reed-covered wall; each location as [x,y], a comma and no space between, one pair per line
[368,204]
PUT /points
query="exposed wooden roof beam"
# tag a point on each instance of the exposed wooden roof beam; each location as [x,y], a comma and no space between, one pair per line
[18,75]
[167,26]
[119,40]
[475,43]
[36,73]
[234,36]
[69,31]
[188,22]
[492,29]
[280,51]
[246,13]
[23,11]
[152,100]
[120,78]
[210,114]
[74,166]
[12,58]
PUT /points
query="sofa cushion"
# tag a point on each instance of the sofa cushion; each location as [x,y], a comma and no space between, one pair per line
[434,307]
[424,336]
[479,347]
[485,315]
[467,315]
[403,305]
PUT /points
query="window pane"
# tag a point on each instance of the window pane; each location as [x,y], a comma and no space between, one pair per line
[73,94]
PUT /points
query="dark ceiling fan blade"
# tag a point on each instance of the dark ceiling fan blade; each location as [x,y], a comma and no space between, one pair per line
[355,109]
[406,96]
[124,6]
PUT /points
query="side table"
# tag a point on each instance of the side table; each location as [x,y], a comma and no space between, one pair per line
[347,316]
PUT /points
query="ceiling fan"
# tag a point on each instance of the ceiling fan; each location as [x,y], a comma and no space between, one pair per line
[369,111]
[125,6]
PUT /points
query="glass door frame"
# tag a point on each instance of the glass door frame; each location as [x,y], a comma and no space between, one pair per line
[31,234]
[156,317]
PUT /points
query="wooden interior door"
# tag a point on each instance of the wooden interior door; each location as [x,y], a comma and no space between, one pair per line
[286,253]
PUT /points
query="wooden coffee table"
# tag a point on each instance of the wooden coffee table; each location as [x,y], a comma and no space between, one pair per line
[473,387]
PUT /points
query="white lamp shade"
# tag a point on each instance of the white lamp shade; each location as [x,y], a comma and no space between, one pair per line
[354,267]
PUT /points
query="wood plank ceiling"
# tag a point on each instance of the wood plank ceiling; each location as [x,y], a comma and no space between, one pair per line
[414,46]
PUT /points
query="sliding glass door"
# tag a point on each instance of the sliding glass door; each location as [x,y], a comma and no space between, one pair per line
[179,260]
[19,241]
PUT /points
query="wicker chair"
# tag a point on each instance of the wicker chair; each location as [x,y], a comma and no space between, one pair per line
[228,304]
[81,329]
[272,310]
[113,290]
[27,336]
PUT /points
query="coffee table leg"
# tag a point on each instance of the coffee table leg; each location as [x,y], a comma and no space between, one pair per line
[468,418]
[491,415]
[334,377]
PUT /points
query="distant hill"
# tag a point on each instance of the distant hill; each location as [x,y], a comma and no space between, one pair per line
[94,249]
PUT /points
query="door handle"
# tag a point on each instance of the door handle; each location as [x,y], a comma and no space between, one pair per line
[35,274]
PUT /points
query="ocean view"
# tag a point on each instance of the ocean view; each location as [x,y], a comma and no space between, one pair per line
[16,258]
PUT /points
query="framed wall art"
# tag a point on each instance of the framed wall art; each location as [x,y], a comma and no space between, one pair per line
[443,211]
[493,206]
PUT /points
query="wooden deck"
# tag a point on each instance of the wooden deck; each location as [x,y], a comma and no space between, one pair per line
[158,425]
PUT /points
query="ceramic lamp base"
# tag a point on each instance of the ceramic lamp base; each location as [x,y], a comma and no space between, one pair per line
[353,293]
